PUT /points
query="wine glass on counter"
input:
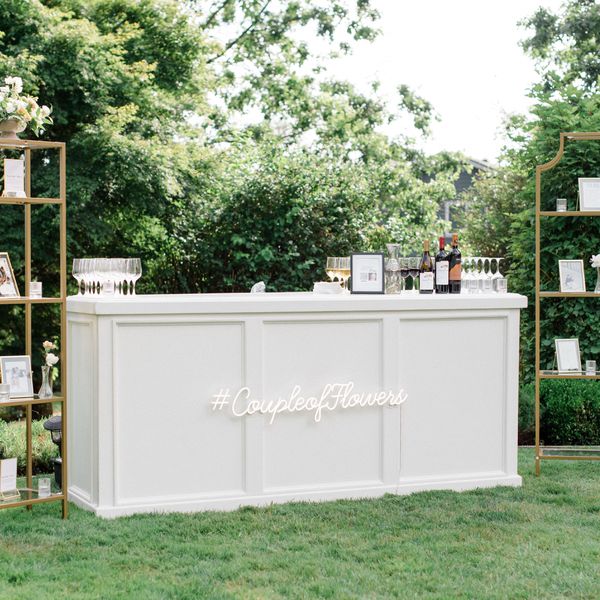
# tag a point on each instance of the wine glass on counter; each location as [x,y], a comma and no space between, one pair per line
[404,272]
[133,271]
[78,273]
[338,267]
[413,270]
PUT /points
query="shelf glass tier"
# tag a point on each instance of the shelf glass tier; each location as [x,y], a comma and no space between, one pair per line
[12,200]
[26,401]
[569,295]
[28,300]
[570,213]
[557,375]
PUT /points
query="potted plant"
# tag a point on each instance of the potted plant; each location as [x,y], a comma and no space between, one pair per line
[18,111]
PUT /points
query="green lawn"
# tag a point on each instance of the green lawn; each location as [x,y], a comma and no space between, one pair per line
[541,541]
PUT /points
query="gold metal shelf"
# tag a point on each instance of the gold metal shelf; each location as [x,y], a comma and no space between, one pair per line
[569,295]
[566,457]
[11,200]
[539,213]
[570,213]
[27,300]
[32,498]
[30,144]
[31,401]
[567,376]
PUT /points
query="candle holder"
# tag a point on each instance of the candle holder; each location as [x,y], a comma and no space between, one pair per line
[590,367]
[4,392]
[561,205]
[35,289]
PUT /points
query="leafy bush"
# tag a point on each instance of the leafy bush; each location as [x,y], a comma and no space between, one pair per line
[13,444]
[570,412]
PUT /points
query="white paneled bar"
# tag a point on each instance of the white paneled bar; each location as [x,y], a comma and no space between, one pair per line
[171,398]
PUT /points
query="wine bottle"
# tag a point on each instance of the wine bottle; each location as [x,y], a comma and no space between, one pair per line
[426,277]
[442,266]
[455,274]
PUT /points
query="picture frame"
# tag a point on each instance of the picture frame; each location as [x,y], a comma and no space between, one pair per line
[367,273]
[16,371]
[14,178]
[568,356]
[8,479]
[589,194]
[8,283]
[572,276]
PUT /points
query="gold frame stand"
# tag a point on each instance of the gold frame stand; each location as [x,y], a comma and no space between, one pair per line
[539,375]
[27,146]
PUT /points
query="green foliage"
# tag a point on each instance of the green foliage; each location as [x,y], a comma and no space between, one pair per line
[562,102]
[570,413]
[13,444]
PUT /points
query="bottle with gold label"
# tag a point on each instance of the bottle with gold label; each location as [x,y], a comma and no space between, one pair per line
[454,274]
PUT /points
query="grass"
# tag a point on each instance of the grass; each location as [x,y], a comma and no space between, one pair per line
[540,541]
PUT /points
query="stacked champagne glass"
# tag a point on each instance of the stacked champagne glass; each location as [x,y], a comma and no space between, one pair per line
[481,275]
[107,276]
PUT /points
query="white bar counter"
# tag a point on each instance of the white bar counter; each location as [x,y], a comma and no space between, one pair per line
[415,393]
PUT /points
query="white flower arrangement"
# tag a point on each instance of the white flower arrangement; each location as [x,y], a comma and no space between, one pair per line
[49,357]
[595,261]
[22,108]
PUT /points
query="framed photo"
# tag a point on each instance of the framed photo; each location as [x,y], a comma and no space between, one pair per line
[568,356]
[8,283]
[572,275]
[366,273]
[589,193]
[14,178]
[16,371]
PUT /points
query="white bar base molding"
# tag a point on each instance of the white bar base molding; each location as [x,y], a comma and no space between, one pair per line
[216,401]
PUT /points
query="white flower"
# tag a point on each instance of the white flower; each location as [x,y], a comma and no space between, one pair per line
[45,111]
[16,82]
[4,89]
[11,107]
[51,359]
[48,345]
[595,260]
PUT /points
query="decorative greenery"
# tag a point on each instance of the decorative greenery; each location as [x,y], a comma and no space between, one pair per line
[13,444]
[439,544]
[24,109]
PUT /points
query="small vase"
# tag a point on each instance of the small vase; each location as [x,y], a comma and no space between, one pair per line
[597,288]
[46,389]
[10,127]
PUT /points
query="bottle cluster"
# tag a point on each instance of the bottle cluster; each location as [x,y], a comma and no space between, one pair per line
[443,276]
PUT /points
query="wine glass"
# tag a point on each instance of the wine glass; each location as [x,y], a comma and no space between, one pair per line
[413,270]
[78,273]
[332,267]
[134,272]
[344,266]
[403,262]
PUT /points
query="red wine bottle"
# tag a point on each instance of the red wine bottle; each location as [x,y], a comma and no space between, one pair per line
[442,267]
[426,277]
[455,273]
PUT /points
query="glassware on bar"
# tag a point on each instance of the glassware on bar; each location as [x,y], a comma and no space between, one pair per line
[107,276]
[413,270]
[404,272]
[561,205]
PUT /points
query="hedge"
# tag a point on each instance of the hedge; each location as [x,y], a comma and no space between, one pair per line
[569,413]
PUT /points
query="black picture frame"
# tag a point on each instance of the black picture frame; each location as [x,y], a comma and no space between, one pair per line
[357,283]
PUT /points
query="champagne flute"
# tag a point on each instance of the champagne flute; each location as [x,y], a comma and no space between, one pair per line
[344,270]
[134,269]
[332,267]
[404,272]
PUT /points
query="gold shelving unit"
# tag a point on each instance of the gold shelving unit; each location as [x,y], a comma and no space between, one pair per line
[539,213]
[29,497]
